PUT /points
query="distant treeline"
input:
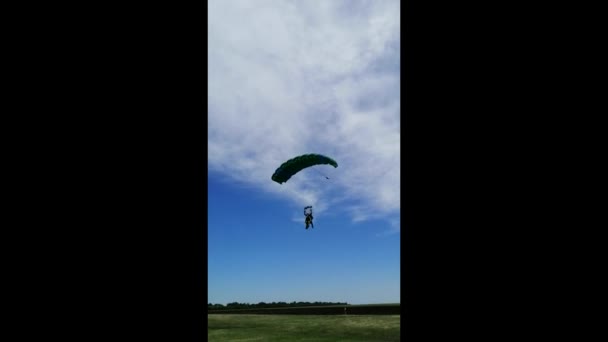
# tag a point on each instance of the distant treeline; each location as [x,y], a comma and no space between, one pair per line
[262,305]
[317,308]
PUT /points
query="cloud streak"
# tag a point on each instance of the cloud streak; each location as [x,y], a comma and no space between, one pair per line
[294,77]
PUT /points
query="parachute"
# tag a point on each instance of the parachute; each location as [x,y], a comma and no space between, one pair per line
[295,165]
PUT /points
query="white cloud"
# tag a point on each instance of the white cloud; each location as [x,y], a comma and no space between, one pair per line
[294,77]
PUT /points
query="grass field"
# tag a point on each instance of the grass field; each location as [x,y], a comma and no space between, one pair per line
[300,328]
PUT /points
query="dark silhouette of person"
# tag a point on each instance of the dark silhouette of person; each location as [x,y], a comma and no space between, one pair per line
[309,217]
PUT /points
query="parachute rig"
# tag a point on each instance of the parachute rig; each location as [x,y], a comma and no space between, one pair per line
[297,164]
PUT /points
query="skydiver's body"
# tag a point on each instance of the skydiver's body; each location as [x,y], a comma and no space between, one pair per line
[308,214]
[308,221]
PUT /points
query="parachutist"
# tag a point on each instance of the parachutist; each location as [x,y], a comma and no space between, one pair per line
[294,165]
[308,214]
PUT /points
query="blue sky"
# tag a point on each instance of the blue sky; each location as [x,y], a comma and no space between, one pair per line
[294,77]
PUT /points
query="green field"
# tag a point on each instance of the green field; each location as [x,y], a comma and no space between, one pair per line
[300,328]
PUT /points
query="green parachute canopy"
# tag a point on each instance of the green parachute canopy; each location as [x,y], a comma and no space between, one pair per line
[295,165]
